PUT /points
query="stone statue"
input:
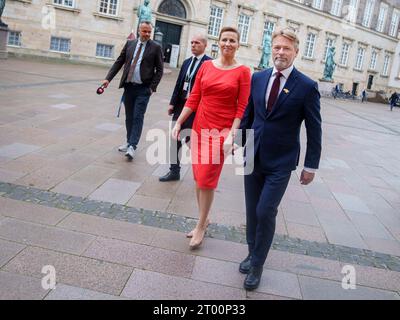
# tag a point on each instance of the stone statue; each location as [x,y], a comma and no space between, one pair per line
[2,5]
[264,62]
[330,64]
[144,12]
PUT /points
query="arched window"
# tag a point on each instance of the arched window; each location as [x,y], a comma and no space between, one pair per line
[173,8]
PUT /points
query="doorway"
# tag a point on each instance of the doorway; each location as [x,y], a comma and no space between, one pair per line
[171,35]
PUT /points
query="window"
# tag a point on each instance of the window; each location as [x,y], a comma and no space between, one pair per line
[14,38]
[382,17]
[108,7]
[215,22]
[104,50]
[374,58]
[345,54]
[353,8]
[244,26]
[394,24]
[336,8]
[329,43]
[269,26]
[360,58]
[310,45]
[317,4]
[368,13]
[386,62]
[60,44]
[64,3]
[173,8]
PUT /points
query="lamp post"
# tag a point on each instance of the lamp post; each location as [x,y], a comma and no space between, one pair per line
[158,37]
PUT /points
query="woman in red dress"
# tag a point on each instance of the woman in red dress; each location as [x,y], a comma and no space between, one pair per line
[219,98]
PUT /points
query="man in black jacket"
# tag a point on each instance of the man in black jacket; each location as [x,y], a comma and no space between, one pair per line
[184,84]
[143,68]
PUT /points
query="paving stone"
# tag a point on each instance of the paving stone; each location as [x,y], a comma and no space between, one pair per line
[141,256]
[116,191]
[320,289]
[19,287]
[299,212]
[147,285]
[305,232]
[63,106]
[151,203]
[351,203]
[17,149]
[31,212]
[65,292]
[369,226]
[108,126]
[109,228]
[252,295]
[8,250]
[10,176]
[72,270]
[44,236]
[384,245]
[74,188]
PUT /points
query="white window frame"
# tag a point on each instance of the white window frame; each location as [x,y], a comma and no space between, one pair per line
[353,11]
[65,3]
[383,10]
[394,23]
[386,62]
[328,44]
[368,12]
[374,59]
[360,58]
[108,7]
[336,8]
[103,47]
[215,21]
[344,57]
[19,44]
[318,4]
[59,44]
[310,45]
[244,22]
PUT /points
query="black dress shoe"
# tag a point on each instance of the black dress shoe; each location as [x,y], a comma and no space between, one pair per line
[245,265]
[253,279]
[170,176]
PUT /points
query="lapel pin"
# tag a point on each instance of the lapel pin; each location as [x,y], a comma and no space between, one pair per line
[286,90]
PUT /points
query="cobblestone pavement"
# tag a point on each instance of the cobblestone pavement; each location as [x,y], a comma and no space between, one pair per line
[69,199]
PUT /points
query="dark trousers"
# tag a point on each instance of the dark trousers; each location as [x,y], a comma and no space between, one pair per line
[263,192]
[175,146]
[137,97]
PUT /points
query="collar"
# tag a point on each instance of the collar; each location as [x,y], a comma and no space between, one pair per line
[285,73]
[199,57]
[144,43]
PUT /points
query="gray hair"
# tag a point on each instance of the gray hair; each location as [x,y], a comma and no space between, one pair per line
[288,33]
[202,37]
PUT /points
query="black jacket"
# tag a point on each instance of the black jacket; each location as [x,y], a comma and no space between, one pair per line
[151,67]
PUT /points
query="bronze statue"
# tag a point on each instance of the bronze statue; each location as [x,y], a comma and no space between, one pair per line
[2,5]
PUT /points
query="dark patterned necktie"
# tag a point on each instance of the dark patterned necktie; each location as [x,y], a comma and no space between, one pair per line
[274,91]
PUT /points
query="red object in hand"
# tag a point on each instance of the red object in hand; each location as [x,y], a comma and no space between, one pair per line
[100,90]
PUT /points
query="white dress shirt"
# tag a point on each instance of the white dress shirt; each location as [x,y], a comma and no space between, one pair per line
[136,73]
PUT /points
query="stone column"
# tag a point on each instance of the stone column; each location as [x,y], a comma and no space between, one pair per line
[3,42]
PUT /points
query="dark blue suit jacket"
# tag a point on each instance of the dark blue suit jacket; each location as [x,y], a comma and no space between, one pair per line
[177,99]
[277,134]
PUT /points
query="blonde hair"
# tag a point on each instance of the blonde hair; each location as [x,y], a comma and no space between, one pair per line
[288,33]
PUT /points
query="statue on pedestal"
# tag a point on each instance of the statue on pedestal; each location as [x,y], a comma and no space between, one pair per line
[330,65]
[266,54]
[2,5]
[144,12]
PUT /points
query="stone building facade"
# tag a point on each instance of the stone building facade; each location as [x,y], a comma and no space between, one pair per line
[364,32]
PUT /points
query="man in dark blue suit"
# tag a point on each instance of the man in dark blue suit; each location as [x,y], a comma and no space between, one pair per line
[183,87]
[281,98]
